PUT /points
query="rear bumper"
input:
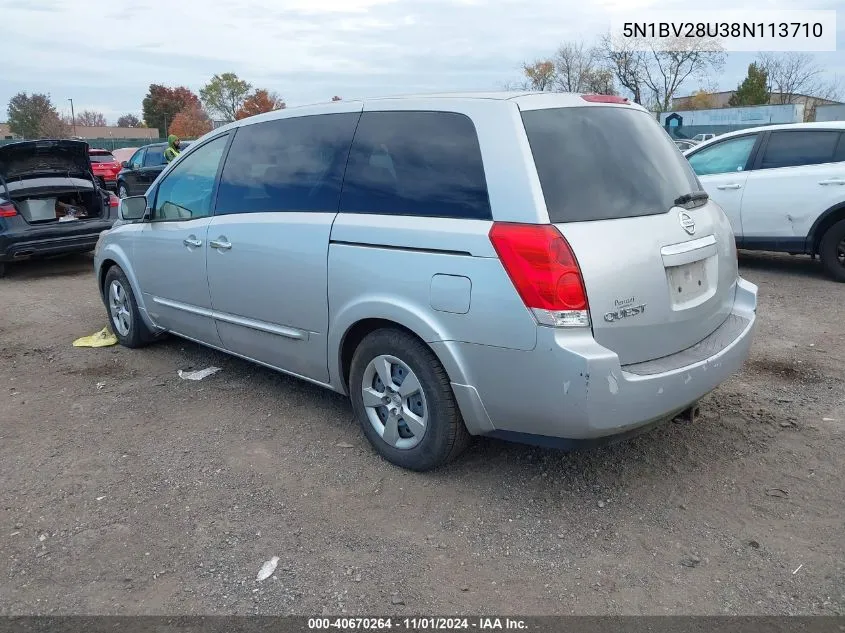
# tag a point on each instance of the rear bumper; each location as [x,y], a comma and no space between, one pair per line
[109,181]
[16,246]
[571,387]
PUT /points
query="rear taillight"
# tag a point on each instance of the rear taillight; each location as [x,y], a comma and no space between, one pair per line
[114,201]
[544,271]
[7,210]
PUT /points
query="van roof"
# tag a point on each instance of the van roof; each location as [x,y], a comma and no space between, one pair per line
[526,100]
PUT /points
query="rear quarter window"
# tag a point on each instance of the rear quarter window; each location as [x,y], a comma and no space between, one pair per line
[796,148]
[601,163]
[416,163]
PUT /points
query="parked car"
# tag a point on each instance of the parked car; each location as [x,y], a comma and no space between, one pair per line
[684,144]
[542,268]
[700,138]
[105,167]
[142,169]
[783,188]
[50,200]
[122,154]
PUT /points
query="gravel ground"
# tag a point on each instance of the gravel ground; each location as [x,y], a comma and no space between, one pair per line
[126,490]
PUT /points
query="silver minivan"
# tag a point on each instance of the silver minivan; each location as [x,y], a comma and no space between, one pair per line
[544,268]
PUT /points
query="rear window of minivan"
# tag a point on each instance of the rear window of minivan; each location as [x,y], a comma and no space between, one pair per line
[602,163]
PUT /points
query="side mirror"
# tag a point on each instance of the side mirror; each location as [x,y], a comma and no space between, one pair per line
[132,208]
[125,164]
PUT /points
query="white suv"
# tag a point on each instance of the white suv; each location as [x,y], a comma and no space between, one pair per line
[782,187]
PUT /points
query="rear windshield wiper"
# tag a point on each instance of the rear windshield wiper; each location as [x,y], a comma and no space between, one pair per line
[691,200]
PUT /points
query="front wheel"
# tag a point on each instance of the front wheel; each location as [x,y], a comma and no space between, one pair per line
[832,251]
[403,400]
[124,317]
[122,191]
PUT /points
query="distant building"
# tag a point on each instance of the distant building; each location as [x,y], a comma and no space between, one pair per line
[830,113]
[6,133]
[722,99]
[748,116]
[86,132]
[108,131]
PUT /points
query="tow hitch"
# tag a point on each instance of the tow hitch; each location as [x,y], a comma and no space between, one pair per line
[688,416]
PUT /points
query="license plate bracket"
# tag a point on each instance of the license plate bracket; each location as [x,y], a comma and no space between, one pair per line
[687,282]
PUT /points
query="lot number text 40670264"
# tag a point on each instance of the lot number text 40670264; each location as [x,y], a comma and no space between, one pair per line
[417,624]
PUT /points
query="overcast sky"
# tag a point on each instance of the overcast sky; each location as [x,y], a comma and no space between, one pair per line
[105,54]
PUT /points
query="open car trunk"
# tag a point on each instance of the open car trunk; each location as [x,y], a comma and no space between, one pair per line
[44,200]
[51,181]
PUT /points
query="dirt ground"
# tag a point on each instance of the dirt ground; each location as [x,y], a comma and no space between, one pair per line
[126,490]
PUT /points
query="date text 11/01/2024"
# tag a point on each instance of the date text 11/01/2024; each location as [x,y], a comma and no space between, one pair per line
[417,624]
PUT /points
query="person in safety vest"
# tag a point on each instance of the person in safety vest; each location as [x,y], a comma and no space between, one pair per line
[172,150]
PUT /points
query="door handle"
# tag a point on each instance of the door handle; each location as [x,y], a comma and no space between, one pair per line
[731,186]
[832,181]
[192,241]
[220,243]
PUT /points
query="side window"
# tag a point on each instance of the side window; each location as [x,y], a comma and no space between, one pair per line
[416,163]
[792,149]
[839,156]
[137,159]
[155,156]
[185,193]
[293,164]
[728,156]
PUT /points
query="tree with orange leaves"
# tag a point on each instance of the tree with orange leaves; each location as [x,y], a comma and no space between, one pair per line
[192,122]
[259,102]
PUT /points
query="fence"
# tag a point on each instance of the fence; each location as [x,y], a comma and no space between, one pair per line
[108,143]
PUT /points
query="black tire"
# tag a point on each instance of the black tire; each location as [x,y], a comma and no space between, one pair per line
[122,185]
[445,436]
[138,334]
[833,242]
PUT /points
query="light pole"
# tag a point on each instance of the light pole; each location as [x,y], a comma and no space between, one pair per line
[72,117]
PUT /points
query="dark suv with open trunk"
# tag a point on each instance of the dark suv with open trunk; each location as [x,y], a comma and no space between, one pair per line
[50,201]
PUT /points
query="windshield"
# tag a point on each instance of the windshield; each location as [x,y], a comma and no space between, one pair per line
[600,163]
[102,157]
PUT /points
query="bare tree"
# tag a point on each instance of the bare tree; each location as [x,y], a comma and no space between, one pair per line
[575,64]
[626,64]
[91,118]
[653,71]
[670,64]
[792,75]
[575,67]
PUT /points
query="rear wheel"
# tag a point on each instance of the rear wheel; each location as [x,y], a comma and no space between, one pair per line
[832,251]
[403,400]
[124,317]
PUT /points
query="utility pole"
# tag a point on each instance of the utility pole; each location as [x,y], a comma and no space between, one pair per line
[72,117]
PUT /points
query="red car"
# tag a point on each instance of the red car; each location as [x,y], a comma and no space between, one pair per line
[105,166]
